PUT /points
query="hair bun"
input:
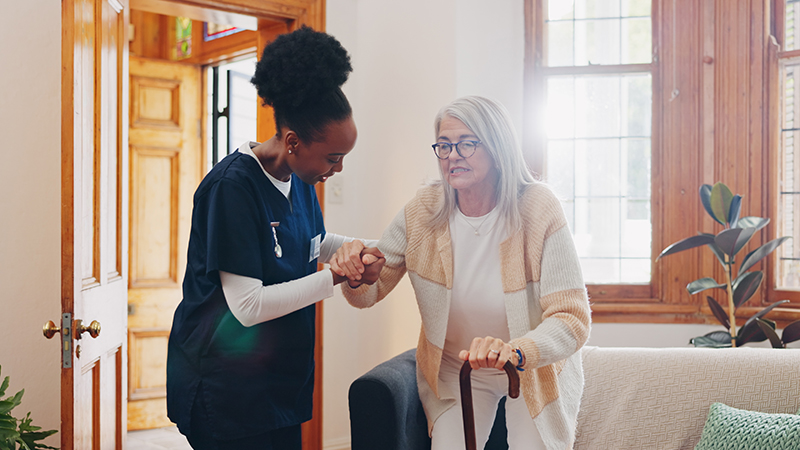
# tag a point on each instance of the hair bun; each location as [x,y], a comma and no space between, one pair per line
[299,66]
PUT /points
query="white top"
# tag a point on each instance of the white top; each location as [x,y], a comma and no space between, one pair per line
[477,307]
[284,186]
[252,303]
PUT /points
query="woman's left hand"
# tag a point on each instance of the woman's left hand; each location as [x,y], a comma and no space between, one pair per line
[347,261]
[488,352]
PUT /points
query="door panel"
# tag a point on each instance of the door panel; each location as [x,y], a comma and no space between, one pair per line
[94,287]
[166,155]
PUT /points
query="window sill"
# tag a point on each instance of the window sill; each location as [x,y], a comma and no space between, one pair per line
[640,311]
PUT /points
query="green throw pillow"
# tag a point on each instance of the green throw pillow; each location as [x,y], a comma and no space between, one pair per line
[737,429]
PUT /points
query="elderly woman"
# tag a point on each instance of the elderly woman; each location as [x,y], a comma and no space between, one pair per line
[497,278]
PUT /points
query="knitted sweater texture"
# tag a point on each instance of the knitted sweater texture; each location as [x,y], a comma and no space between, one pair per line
[546,304]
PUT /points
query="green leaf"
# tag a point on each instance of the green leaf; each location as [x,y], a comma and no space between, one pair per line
[721,198]
[750,332]
[770,332]
[715,339]
[715,248]
[719,313]
[758,254]
[686,244]
[763,312]
[753,222]
[792,332]
[745,286]
[736,208]
[9,404]
[8,435]
[705,198]
[8,423]
[4,386]
[702,284]
[726,240]
[743,239]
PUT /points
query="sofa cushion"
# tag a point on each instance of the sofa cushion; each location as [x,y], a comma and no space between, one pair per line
[738,429]
[658,398]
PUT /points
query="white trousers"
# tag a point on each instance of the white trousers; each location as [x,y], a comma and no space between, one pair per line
[488,387]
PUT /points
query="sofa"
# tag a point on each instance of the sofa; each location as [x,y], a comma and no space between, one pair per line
[634,398]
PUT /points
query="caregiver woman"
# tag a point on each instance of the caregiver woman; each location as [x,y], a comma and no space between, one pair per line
[240,367]
[497,278]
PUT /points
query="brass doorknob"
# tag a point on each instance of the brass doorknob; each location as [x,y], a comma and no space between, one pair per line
[93,329]
[50,329]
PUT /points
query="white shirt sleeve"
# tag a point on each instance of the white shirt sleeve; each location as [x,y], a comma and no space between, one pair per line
[332,242]
[252,303]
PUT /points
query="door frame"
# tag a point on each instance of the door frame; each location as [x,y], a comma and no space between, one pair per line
[294,13]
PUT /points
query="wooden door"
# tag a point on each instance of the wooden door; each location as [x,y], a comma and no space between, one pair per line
[166,160]
[94,223]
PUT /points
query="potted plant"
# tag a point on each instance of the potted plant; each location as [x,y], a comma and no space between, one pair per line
[18,433]
[724,208]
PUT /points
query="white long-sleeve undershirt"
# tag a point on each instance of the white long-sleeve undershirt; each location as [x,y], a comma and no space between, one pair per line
[252,303]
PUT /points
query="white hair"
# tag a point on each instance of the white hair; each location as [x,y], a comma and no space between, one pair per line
[491,123]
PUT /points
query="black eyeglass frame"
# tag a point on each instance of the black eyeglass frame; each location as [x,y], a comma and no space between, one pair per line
[456,144]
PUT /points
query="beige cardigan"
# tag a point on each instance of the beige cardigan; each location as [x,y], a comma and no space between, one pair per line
[546,304]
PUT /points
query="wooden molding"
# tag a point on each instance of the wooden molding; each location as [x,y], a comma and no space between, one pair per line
[136,390]
[196,13]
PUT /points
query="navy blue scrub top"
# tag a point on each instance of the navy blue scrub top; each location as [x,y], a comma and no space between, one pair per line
[254,379]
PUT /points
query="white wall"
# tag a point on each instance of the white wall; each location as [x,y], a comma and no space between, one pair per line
[30,214]
[410,58]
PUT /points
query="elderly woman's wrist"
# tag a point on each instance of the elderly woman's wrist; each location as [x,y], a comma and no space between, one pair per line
[520,358]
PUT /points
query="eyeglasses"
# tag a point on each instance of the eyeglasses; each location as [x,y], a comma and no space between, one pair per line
[465,149]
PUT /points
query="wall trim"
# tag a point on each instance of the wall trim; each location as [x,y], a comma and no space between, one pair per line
[337,444]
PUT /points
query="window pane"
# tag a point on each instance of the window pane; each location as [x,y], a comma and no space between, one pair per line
[597,42]
[598,32]
[592,9]
[637,92]
[636,270]
[637,47]
[597,230]
[560,44]
[597,168]
[561,168]
[788,272]
[635,8]
[243,108]
[636,164]
[602,174]
[597,106]
[600,269]
[560,9]
[636,226]
[560,107]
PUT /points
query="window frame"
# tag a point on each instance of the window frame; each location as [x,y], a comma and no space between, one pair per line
[776,57]
[536,74]
[707,107]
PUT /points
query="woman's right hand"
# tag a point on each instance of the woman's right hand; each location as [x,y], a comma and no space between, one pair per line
[373,261]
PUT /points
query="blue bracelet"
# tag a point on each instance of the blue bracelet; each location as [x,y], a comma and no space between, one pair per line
[519,360]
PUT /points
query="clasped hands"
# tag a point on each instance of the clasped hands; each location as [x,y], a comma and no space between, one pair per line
[356,264]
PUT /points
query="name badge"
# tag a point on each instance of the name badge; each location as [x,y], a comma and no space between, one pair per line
[314,253]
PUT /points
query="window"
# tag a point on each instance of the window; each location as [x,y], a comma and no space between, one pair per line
[631,106]
[787,268]
[232,105]
[596,78]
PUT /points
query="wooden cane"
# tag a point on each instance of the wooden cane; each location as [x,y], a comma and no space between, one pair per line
[465,382]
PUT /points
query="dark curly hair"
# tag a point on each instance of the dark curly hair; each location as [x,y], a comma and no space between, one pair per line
[300,75]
